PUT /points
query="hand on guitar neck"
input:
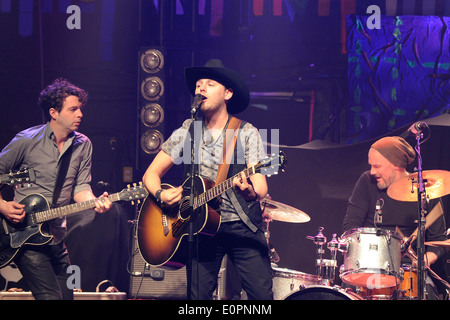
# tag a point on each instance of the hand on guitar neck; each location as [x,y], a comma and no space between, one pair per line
[245,187]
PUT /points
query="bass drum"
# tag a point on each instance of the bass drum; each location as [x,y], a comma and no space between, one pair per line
[324,293]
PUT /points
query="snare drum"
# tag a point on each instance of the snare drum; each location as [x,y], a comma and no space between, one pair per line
[286,281]
[373,258]
[323,293]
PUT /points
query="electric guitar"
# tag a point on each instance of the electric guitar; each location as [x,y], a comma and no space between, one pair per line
[21,176]
[160,229]
[14,236]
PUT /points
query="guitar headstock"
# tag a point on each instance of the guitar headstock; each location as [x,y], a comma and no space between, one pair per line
[132,193]
[271,165]
[24,175]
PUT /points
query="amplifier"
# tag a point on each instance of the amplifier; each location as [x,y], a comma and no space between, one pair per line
[155,282]
[162,283]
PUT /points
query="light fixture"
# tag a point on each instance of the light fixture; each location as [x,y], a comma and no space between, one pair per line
[152,88]
[152,61]
[151,141]
[152,115]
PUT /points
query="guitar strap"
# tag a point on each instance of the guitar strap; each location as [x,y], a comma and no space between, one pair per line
[62,173]
[229,143]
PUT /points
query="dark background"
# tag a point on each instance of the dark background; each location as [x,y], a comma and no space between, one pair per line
[295,62]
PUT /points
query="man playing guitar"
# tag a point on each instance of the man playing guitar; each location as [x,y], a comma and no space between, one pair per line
[240,234]
[42,148]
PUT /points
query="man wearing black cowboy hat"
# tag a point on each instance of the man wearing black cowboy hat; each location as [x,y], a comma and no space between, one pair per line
[240,234]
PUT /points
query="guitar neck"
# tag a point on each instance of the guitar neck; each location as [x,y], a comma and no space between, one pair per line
[222,187]
[63,211]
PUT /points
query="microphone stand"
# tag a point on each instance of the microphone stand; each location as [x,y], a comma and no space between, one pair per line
[194,117]
[421,194]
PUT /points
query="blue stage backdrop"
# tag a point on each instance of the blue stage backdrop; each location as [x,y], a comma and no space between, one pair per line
[397,74]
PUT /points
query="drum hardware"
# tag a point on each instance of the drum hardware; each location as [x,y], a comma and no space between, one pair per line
[274,257]
[273,210]
[420,187]
[319,240]
[326,268]
[409,252]
[331,265]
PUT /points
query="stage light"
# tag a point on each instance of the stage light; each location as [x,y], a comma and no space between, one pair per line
[151,141]
[152,61]
[152,115]
[152,88]
[152,97]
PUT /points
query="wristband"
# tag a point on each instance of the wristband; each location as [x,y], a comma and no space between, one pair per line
[158,196]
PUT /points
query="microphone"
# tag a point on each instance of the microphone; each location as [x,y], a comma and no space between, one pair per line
[417,128]
[378,212]
[414,129]
[197,101]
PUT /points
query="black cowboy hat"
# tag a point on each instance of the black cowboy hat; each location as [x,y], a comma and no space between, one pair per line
[215,70]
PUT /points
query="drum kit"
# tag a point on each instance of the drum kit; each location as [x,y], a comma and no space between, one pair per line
[372,266]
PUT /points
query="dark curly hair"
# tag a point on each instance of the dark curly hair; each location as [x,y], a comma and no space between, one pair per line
[53,96]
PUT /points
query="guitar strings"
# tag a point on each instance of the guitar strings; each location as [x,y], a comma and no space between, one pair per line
[177,226]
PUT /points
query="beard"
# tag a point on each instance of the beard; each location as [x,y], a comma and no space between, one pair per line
[384,183]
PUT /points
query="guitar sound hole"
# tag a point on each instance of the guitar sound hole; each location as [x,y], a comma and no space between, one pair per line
[185,210]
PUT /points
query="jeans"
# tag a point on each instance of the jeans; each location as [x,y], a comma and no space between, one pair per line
[44,269]
[249,253]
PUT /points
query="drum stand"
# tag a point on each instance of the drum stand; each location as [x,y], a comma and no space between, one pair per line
[326,268]
[273,255]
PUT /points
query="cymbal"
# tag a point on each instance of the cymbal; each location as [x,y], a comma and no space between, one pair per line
[445,243]
[436,182]
[282,212]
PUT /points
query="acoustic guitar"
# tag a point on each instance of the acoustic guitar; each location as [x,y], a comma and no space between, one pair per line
[161,229]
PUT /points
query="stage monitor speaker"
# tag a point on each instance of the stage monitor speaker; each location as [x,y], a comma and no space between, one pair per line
[149,282]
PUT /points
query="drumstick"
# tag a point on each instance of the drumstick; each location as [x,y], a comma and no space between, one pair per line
[429,220]
[431,217]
